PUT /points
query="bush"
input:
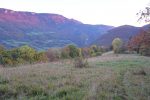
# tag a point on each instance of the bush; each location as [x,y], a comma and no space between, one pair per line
[70,51]
[22,55]
[85,52]
[53,54]
[2,48]
[40,57]
[27,53]
[65,53]
[80,62]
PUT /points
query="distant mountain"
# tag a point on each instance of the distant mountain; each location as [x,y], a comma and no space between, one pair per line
[146,27]
[42,30]
[124,32]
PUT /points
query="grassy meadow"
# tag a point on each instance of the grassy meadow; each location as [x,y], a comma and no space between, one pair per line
[108,77]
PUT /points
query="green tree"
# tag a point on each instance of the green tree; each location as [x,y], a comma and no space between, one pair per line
[40,57]
[27,53]
[6,58]
[73,51]
[117,44]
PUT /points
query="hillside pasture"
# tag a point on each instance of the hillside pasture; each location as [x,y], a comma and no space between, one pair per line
[108,77]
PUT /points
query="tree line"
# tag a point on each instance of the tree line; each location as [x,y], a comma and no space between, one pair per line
[139,44]
[28,55]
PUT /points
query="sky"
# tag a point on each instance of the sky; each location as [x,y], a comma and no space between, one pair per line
[108,12]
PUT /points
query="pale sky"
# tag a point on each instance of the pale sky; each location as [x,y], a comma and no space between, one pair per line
[108,12]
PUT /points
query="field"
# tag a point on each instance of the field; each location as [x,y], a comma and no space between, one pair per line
[108,77]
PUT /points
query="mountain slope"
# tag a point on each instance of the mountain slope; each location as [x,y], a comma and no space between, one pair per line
[124,32]
[42,30]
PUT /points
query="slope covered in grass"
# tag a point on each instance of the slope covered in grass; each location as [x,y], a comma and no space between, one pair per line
[109,77]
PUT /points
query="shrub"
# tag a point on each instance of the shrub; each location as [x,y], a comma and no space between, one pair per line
[6,58]
[65,52]
[27,53]
[70,51]
[80,62]
[92,53]
[53,54]
[3,90]
[85,52]
[2,48]
[22,55]
[40,57]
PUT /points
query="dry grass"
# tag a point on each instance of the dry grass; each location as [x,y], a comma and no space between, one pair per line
[109,77]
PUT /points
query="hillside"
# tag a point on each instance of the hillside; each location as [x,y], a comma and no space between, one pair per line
[42,30]
[124,32]
[109,77]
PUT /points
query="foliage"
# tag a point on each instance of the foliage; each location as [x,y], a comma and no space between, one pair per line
[117,44]
[26,54]
[144,14]
[65,53]
[140,43]
[40,57]
[96,50]
[22,55]
[92,51]
[2,48]
[80,62]
[53,54]
[85,52]
[73,51]
[70,51]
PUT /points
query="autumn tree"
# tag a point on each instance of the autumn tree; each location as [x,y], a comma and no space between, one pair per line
[54,54]
[65,52]
[85,52]
[117,44]
[140,43]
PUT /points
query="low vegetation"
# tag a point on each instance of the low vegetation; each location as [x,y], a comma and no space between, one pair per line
[108,77]
[80,62]
[27,55]
[22,55]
